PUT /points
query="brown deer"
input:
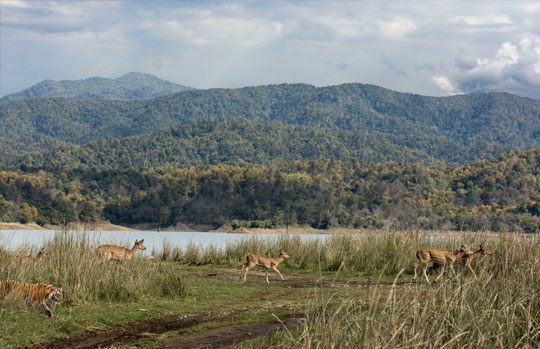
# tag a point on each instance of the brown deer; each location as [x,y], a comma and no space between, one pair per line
[27,259]
[119,253]
[466,260]
[41,254]
[253,259]
[531,258]
[438,256]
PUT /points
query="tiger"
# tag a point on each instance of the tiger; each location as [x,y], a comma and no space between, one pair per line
[36,295]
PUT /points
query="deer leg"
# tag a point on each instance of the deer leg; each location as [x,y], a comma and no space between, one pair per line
[472,271]
[242,272]
[266,270]
[424,267]
[441,273]
[416,266]
[453,270]
[277,271]
[247,269]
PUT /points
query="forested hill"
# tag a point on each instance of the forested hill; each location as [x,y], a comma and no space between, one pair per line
[499,194]
[129,86]
[451,129]
[240,140]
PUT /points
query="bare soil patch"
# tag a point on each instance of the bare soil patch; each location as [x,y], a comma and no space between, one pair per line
[137,330]
[128,332]
[229,334]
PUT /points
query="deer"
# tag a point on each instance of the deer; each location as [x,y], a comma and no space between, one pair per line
[466,260]
[41,254]
[119,253]
[28,259]
[531,258]
[253,259]
[439,256]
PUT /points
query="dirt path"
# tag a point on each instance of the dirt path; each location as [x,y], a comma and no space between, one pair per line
[223,335]
[230,334]
[294,280]
[136,330]
[128,332]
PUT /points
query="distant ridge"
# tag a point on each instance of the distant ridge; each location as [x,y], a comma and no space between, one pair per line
[130,86]
[275,122]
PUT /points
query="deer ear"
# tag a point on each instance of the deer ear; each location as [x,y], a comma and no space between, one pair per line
[481,247]
[142,241]
[280,251]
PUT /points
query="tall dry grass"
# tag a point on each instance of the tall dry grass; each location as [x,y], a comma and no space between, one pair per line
[499,310]
[72,264]
[384,253]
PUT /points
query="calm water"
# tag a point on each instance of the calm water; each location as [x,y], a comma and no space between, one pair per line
[12,239]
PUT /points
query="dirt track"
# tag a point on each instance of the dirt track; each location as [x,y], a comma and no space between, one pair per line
[220,336]
[296,280]
[127,332]
[136,330]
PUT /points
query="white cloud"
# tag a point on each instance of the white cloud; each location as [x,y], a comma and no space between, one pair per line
[514,68]
[446,85]
[506,55]
[413,46]
[397,28]
[482,20]
[14,3]
[202,27]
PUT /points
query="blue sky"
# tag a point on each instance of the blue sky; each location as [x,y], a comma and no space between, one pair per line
[432,48]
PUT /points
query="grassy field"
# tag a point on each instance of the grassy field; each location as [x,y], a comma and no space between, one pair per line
[500,309]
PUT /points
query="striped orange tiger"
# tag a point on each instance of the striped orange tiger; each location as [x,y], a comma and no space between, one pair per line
[36,295]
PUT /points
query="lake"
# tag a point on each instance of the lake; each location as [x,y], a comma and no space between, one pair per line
[12,239]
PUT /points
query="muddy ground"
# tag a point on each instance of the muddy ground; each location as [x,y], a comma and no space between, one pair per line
[215,337]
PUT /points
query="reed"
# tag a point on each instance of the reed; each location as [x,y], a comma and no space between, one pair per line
[370,253]
[73,264]
[499,310]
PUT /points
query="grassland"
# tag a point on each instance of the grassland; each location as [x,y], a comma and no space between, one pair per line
[353,291]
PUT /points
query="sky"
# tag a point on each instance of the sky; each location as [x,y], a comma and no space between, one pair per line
[435,48]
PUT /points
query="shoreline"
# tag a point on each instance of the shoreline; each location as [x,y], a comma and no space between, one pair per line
[227,228]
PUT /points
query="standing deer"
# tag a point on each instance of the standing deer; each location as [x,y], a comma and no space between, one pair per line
[119,253]
[253,259]
[438,256]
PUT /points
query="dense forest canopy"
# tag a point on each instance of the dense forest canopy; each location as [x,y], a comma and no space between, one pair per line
[377,123]
[352,155]
[501,194]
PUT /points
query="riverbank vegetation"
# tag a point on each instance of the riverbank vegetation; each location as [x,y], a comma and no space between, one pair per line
[500,309]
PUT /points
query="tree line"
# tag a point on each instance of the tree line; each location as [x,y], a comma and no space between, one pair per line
[499,194]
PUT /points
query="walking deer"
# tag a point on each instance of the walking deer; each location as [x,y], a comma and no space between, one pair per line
[466,260]
[438,256]
[253,259]
[119,253]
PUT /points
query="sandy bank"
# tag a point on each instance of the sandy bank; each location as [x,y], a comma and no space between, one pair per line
[103,226]
[20,226]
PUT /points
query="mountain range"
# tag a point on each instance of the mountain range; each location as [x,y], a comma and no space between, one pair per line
[352,155]
[266,123]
